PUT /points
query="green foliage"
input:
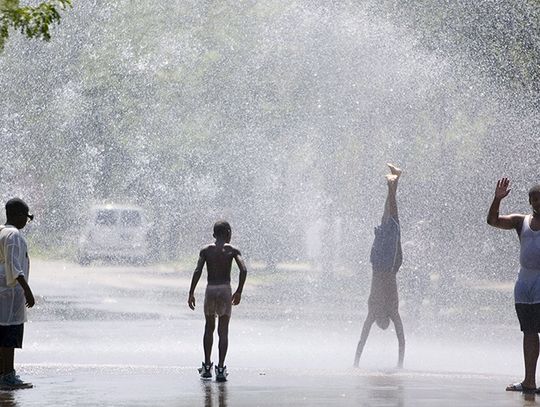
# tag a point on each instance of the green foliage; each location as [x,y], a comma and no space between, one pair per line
[33,22]
[499,39]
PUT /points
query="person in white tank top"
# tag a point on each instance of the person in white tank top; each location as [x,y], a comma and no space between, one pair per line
[527,287]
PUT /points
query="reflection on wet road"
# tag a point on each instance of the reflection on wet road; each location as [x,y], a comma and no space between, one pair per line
[124,336]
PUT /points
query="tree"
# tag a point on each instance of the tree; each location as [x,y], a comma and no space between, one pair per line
[31,21]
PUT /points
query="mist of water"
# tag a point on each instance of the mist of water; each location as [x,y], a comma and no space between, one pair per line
[278,116]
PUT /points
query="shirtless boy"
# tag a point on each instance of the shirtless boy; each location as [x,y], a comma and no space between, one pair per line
[218,299]
[527,287]
[386,258]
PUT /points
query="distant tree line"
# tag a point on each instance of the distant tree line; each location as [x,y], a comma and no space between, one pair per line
[277,115]
[502,38]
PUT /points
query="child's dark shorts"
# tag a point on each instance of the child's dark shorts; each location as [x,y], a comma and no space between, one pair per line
[11,336]
[529,317]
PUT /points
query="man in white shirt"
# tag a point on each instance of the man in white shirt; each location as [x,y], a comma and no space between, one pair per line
[15,293]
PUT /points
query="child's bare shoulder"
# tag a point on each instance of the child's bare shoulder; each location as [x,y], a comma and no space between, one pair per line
[233,249]
[208,247]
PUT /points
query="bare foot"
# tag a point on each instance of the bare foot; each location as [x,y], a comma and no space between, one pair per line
[394,170]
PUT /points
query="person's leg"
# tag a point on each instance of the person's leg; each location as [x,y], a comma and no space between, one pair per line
[530,355]
[208,339]
[223,332]
[391,211]
[390,205]
[363,338]
[7,356]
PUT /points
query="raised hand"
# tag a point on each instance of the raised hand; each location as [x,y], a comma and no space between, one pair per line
[502,189]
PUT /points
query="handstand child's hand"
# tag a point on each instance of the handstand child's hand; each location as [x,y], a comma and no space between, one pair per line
[236,298]
[191,302]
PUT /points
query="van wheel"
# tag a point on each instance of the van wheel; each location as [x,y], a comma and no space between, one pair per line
[138,261]
[83,260]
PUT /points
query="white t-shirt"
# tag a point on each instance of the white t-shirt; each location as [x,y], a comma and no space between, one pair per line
[13,263]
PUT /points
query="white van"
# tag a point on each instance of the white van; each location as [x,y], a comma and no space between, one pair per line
[114,232]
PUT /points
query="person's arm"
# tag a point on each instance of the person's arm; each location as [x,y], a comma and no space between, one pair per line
[370,319]
[14,268]
[195,279]
[30,301]
[505,221]
[237,296]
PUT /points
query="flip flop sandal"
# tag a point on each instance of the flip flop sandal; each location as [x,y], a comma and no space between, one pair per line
[520,387]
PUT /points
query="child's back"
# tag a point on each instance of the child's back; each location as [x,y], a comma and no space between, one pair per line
[219,257]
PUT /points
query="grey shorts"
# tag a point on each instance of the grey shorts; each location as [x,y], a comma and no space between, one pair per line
[386,249]
[218,300]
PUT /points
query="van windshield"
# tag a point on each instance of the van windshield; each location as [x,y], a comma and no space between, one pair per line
[130,218]
[106,217]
